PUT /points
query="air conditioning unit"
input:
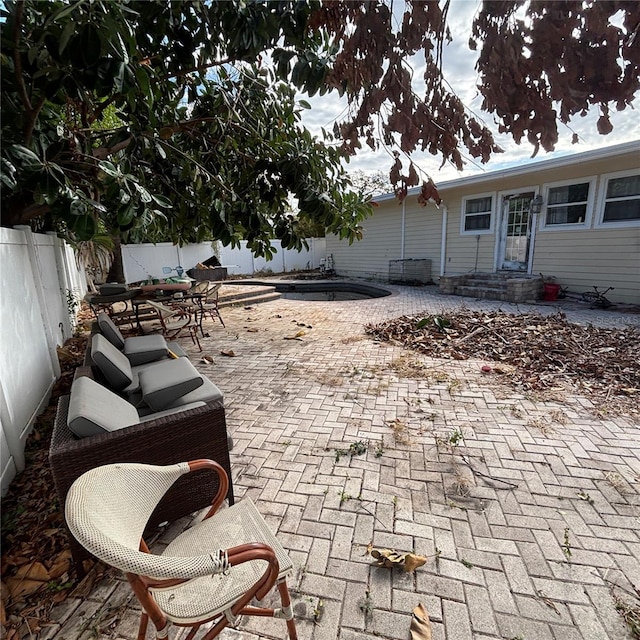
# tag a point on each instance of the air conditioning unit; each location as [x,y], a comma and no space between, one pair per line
[411,271]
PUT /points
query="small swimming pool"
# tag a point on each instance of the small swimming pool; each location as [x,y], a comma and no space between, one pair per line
[326,291]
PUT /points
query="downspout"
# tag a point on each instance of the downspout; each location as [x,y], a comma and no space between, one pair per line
[404,216]
[443,242]
[532,242]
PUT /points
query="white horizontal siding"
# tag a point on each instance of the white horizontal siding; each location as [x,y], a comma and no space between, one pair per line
[381,242]
[423,234]
[600,257]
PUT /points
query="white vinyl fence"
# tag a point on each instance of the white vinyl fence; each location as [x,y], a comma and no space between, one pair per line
[38,275]
[143,261]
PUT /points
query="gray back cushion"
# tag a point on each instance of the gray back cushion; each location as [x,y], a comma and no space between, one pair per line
[164,382]
[110,331]
[94,409]
[206,392]
[113,364]
[143,349]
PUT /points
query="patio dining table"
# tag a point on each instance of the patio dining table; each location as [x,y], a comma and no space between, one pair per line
[98,303]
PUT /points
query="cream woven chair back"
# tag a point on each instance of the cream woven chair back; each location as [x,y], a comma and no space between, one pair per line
[212,291]
[165,311]
[108,507]
[201,286]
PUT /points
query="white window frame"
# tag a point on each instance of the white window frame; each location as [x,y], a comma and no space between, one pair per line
[604,182]
[586,223]
[491,212]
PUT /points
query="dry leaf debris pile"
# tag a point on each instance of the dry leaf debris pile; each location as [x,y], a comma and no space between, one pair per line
[537,352]
[36,561]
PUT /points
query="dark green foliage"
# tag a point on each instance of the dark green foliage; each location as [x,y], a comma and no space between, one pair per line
[159,119]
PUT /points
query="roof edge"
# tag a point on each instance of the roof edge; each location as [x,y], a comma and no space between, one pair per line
[552,163]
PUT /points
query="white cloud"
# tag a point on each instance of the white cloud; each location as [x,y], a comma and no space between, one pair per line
[459,70]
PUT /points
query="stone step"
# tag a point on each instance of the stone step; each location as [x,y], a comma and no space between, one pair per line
[488,281]
[250,300]
[231,295]
[484,293]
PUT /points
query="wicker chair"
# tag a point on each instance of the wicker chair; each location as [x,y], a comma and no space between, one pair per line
[208,574]
[194,433]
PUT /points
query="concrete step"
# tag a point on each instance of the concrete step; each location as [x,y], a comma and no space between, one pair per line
[232,295]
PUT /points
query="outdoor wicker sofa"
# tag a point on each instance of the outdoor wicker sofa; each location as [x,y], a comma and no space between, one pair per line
[185,434]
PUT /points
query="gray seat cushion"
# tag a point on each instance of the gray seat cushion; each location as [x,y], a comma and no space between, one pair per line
[113,289]
[93,409]
[110,331]
[164,382]
[207,392]
[113,364]
[142,349]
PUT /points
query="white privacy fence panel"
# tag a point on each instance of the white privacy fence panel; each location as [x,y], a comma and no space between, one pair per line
[191,254]
[239,261]
[55,305]
[142,261]
[36,271]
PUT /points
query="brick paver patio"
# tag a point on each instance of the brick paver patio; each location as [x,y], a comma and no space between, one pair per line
[527,523]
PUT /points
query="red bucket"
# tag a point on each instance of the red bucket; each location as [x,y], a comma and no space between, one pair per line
[551,291]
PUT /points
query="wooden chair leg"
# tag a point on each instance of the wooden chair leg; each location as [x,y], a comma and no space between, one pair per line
[142,629]
[285,598]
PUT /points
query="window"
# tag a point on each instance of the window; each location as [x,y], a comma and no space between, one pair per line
[476,214]
[621,198]
[567,204]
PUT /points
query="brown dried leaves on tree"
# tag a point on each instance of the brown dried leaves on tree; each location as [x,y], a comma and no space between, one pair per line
[535,58]
[372,69]
[565,55]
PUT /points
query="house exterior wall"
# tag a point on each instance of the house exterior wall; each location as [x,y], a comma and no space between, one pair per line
[577,255]
[602,258]
[423,233]
[381,241]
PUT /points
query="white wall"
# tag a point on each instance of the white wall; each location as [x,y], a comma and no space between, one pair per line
[35,273]
[142,261]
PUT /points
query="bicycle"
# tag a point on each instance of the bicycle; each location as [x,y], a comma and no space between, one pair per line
[597,298]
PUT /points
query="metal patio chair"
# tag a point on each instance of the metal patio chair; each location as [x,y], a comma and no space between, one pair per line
[174,320]
[209,574]
[211,302]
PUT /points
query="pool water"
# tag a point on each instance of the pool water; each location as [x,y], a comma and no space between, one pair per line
[324,296]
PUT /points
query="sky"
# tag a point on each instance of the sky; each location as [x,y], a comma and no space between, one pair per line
[459,70]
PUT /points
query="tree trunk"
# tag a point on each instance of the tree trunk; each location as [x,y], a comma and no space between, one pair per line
[116,272]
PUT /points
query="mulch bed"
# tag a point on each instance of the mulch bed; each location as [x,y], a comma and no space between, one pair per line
[535,353]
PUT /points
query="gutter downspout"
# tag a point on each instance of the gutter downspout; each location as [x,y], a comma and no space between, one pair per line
[443,241]
[532,242]
[402,239]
